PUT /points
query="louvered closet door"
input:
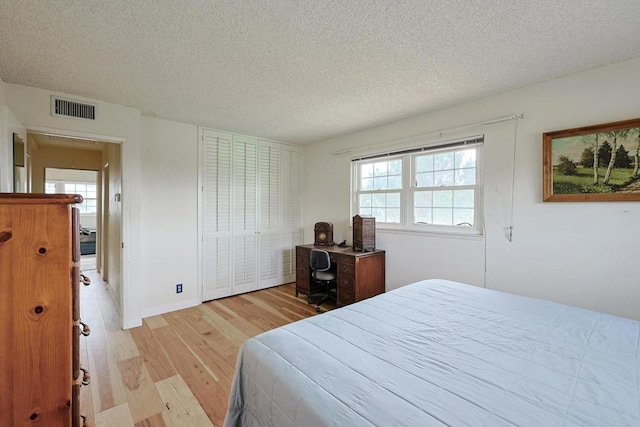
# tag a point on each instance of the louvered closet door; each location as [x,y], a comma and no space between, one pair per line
[245,214]
[216,215]
[270,215]
[291,210]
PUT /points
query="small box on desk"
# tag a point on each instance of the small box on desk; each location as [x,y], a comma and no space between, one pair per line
[364,233]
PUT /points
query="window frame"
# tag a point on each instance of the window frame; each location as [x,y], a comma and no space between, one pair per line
[60,189]
[357,192]
[409,188]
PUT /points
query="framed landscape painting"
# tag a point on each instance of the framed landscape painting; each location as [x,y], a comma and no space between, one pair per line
[592,164]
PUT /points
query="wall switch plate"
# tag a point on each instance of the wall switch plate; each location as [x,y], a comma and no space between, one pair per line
[179,288]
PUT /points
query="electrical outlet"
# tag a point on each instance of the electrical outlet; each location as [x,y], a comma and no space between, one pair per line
[179,288]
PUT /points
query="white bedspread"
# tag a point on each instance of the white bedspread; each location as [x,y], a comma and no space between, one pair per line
[442,353]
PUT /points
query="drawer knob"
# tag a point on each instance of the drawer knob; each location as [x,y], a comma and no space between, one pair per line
[85,280]
[86,377]
[85,329]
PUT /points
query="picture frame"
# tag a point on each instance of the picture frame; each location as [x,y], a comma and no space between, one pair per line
[598,163]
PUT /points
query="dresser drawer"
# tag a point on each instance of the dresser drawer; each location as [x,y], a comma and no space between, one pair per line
[75,234]
[75,292]
[76,420]
[75,350]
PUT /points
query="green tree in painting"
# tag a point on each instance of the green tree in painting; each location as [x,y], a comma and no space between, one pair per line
[614,135]
[604,153]
[590,157]
[587,158]
[566,166]
[622,158]
[636,155]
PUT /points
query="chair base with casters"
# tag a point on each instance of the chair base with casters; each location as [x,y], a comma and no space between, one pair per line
[321,274]
[331,294]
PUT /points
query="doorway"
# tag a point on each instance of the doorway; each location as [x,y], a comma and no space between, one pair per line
[84,183]
[92,169]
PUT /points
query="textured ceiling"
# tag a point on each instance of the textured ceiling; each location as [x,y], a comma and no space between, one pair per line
[305,70]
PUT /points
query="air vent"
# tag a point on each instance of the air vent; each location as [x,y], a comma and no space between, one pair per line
[67,108]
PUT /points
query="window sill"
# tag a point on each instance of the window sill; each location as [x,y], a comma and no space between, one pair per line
[470,235]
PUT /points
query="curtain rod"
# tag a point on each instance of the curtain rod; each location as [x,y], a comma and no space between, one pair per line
[466,142]
[441,131]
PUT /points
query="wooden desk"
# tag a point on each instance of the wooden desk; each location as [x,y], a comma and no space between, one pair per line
[360,274]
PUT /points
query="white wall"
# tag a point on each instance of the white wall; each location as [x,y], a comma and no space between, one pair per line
[6,168]
[583,254]
[62,158]
[169,207]
[9,124]
[577,253]
[31,107]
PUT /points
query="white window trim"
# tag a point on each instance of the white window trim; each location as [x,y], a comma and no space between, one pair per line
[355,192]
[61,190]
[406,225]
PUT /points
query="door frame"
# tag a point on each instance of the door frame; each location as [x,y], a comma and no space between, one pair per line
[126,212]
[104,223]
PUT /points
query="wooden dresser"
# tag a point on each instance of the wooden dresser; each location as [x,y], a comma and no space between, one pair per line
[40,327]
[360,274]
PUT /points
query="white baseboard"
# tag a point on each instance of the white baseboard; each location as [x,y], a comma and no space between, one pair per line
[167,308]
[134,323]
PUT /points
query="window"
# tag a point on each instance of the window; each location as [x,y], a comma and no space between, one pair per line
[87,191]
[380,190]
[429,188]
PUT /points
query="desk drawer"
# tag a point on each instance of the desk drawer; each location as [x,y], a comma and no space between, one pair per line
[302,258]
[302,277]
[343,259]
[346,282]
[302,263]
[302,274]
[345,297]
[346,269]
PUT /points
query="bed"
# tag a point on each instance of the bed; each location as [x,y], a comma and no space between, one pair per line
[438,352]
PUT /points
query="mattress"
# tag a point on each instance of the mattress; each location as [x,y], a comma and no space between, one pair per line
[436,353]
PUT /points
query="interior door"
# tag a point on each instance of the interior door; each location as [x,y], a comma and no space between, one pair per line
[245,214]
[270,235]
[216,215]
[291,231]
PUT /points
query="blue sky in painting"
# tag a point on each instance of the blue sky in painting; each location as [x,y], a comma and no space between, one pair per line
[573,146]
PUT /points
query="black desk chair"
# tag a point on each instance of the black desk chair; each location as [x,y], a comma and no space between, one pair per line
[320,264]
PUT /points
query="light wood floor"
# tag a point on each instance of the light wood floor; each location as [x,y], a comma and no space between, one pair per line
[176,369]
